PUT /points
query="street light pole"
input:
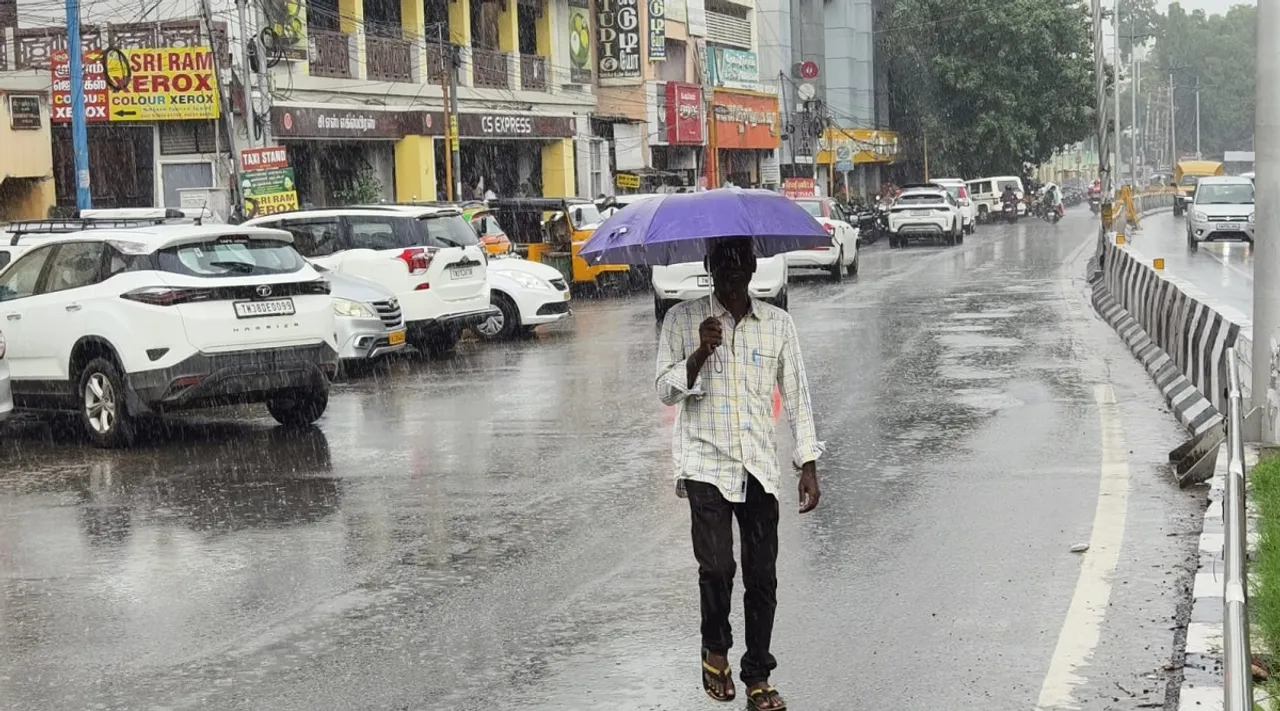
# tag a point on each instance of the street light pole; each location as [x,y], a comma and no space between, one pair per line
[1199,156]
[1100,75]
[1266,249]
[79,131]
[1115,91]
[1173,124]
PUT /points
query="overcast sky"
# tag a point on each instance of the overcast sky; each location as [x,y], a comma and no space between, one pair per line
[1210,6]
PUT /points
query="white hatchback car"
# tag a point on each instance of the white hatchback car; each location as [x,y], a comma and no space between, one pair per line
[114,324]
[527,294]
[960,191]
[428,256]
[925,212]
[842,255]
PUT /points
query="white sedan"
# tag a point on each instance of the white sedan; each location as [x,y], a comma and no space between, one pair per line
[842,255]
[683,282]
[527,294]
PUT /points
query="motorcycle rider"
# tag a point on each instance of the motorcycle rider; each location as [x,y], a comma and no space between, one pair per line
[1052,199]
[1010,197]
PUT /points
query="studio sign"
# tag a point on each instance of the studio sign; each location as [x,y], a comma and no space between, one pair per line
[506,125]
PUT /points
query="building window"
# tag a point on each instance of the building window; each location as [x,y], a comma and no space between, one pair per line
[673,68]
[660,105]
[186,137]
[597,168]
[729,25]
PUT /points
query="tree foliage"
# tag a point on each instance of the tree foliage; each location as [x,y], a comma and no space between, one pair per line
[992,84]
[1140,22]
[1217,52]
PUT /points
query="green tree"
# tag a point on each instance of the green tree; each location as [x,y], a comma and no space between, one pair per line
[1139,24]
[993,85]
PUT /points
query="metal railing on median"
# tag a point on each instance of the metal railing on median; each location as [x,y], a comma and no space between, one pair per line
[1237,659]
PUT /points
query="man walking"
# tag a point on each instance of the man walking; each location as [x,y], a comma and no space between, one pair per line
[719,359]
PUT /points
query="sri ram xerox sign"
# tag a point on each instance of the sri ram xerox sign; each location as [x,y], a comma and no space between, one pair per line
[140,85]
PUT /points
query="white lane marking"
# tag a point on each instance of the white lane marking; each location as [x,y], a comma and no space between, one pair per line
[1220,256]
[1082,627]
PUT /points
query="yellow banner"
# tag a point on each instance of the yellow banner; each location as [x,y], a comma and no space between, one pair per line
[164,85]
[864,145]
[627,181]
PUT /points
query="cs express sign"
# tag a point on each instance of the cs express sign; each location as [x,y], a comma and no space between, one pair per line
[148,85]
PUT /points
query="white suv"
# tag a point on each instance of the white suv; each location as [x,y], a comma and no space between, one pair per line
[115,324]
[842,254]
[428,256]
[960,191]
[925,212]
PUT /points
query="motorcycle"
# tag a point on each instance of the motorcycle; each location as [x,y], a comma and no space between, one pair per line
[1052,214]
[1095,203]
[1010,212]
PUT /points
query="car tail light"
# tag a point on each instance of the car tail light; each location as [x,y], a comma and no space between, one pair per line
[831,229]
[964,193]
[166,295]
[416,259]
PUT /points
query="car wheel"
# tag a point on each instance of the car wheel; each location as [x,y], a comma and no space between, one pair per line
[660,308]
[1192,244]
[853,266]
[960,237]
[837,269]
[504,325]
[103,411]
[781,300]
[438,343]
[300,408]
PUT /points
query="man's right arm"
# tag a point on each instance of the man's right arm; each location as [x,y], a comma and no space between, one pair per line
[678,369]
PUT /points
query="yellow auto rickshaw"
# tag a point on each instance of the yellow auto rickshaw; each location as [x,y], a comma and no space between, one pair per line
[1185,177]
[552,231]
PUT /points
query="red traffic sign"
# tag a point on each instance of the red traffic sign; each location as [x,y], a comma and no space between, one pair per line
[809,70]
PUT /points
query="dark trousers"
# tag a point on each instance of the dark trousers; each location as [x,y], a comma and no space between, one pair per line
[712,517]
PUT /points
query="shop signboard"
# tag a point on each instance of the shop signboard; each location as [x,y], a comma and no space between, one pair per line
[493,125]
[844,158]
[862,145]
[657,30]
[734,68]
[745,120]
[178,84]
[580,53]
[684,114]
[287,27]
[799,187]
[24,113]
[618,39]
[627,181]
[308,122]
[268,181]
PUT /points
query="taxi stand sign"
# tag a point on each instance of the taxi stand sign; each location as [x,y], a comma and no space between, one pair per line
[178,84]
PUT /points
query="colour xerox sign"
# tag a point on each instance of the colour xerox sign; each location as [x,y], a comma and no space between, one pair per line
[140,85]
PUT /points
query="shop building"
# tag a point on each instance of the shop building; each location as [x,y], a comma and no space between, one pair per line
[745,137]
[855,162]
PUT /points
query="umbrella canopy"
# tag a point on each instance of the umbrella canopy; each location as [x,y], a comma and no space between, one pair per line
[673,229]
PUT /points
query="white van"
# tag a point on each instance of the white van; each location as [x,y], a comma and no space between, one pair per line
[986,192]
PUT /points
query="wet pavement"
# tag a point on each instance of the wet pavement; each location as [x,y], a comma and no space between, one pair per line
[499,530]
[1222,270]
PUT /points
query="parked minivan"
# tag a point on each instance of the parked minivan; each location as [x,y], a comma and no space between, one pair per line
[986,192]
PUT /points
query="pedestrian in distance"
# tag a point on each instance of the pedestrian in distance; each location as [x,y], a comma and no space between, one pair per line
[719,359]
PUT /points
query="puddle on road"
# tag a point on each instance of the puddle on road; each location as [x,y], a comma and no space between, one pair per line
[964,315]
[959,371]
[989,399]
[966,329]
[972,341]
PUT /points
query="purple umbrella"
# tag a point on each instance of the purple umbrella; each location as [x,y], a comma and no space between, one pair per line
[674,229]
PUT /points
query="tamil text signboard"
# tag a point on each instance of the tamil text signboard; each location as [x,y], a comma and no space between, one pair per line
[618,42]
[140,85]
[657,30]
[268,181]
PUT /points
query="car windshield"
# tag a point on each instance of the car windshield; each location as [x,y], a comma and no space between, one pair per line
[1237,194]
[584,214]
[232,256]
[813,207]
[1189,180]
[446,231]
[954,190]
[919,199]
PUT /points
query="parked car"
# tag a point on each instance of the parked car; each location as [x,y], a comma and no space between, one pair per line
[1221,209]
[526,294]
[6,395]
[925,212]
[114,324]
[368,320]
[986,193]
[960,192]
[683,282]
[428,256]
[842,255]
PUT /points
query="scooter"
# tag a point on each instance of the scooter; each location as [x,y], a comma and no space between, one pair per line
[1095,203]
[1011,212]
[1052,214]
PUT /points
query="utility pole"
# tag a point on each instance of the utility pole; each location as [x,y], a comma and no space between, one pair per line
[1173,122]
[1115,98]
[1266,250]
[250,120]
[1198,154]
[446,65]
[79,131]
[1134,83]
[1100,74]
[228,124]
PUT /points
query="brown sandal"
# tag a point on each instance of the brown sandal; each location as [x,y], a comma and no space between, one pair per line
[718,683]
[767,695]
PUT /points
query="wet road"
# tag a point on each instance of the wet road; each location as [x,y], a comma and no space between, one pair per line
[499,531]
[1222,270]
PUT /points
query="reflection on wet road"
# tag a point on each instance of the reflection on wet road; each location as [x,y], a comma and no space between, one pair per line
[499,531]
[1222,270]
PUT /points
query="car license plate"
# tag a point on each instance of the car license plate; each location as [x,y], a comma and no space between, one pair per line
[459,272]
[919,213]
[254,309]
[704,281]
[1229,226]
[396,338]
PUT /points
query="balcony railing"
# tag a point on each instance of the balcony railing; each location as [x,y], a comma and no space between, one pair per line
[389,58]
[331,54]
[33,48]
[437,64]
[533,72]
[490,69]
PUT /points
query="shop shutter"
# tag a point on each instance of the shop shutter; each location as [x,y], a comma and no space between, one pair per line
[728,30]
[186,137]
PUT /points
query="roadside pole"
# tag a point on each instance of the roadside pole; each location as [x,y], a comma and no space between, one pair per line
[1134,83]
[1266,250]
[1199,155]
[79,132]
[250,120]
[227,121]
[1173,123]
[445,65]
[1104,159]
[452,128]
[1115,91]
